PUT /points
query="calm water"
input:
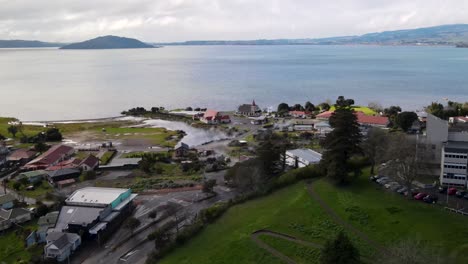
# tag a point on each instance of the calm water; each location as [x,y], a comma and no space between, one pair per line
[51,84]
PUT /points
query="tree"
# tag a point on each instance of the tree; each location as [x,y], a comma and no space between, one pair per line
[53,134]
[374,146]
[153,214]
[405,120]
[324,106]
[375,106]
[42,210]
[132,223]
[407,159]
[13,130]
[340,251]
[208,186]
[2,137]
[341,143]
[392,111]
[175,210]
[309,107]
[189,108]
[89,175]
[161,238]
[298,107]
[147,162]
[41,147]
[246,176]
[436,109]
[283,108]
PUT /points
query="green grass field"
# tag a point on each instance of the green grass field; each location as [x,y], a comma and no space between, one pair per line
[12,247]
[385,217]
[38,192]
[366,110]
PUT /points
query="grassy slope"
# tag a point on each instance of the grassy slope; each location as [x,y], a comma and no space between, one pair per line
[292,211]
[12,246]
[299,253]
[366,110]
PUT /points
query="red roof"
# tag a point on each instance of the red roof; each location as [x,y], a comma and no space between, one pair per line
[53,155]
[91,161]
[71,163]
[297,113]
[210,113]
[21,154]
[362,118]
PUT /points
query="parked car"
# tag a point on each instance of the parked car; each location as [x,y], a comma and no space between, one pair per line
[420,196]
[391,185]
[402,190]
[466,196]
[383,180]
[374,178]
[30,188]
[430,199]
[395,187]
[442,189]
[452,191]
[460,194]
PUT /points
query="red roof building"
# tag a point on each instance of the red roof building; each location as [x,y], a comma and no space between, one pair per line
[298,114]
[325,115]
[215,117]
[363,119]
[51,157]
[90,163]
[66,164]
[21,155]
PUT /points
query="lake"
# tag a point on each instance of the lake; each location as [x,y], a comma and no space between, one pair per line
[52,84]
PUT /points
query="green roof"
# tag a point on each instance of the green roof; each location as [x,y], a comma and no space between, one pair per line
[6,198]
[34,173]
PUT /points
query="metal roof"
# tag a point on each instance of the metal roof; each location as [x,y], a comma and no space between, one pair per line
[95,195]
[306,154]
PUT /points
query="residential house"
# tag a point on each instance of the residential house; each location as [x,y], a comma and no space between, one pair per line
[214,117]
[260,120]
[181,149]
[50,158]
[363,119]
[324,115]
[13,216]
[21,156]
[249,110]
[122,163]
[303,127]
[7,201]
[45,223]
[73,163]
[33,176]
[323,128]
[458,119]
[60,246]
[63,174]
[299,158]
[90,163]
[298,114]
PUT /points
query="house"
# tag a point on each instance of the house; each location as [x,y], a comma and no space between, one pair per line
[63,174]
[363,119]
[45,223]
[122,163]
[323,128]
[21,156]
[298,114]
[13,216]
[33,176]
[299,158]
[61,245]
[7,201]
[90,163]
[214,117]
[260,120]
[73,163]
[303,127]
[50,158]
[181,149]
[249,110]
[324,115]
[458,119]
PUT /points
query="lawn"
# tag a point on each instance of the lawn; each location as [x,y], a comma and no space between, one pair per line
[156,136]
[38,192]
[106,157]
[12,247]
[366,110]
[384,217]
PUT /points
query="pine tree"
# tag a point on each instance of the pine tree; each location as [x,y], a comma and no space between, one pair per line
[342,142]
[340,251]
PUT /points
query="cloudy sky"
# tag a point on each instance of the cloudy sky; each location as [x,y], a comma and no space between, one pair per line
[178,20]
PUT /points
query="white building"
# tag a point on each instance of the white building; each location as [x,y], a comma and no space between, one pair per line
[300,158]
[454,164]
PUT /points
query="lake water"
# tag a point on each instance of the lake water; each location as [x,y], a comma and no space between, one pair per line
[52,84]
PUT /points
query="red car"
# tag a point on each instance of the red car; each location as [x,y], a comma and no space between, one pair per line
[452,191]
[420,196]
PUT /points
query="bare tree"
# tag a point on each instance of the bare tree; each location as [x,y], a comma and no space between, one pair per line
[175,210]
[413,252]
[407,158]
[374,146]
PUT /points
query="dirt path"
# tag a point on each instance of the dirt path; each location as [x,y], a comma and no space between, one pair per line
[341,221]
[275,252]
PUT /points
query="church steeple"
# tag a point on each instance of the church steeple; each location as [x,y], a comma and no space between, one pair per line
[253,103]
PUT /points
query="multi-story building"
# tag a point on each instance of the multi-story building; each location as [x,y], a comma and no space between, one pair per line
[454,164]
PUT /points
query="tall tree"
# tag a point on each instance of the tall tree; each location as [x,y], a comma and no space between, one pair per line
[324,106]
[342,142]
[309,107]
[374,146]
[340,251]
[283,108]
[298,107]
[132,223]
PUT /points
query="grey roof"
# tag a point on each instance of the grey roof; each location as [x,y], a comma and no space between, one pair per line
[62,172]
[60,239]
[456,147]
[48,219]
[6,198]
[77,216]
[4,214]
[306,154]
[181,145]
[120,162]
[15,212]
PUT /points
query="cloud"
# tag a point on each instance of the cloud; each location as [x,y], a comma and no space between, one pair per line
[177,20]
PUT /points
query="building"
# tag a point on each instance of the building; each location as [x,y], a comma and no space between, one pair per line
[298,114]
[323,128]
[50,158]
[7,201]
[45,223]
[62,174]
[249,110]
[33,176]
[21,156]
[94,211]
[363,119]
[454,164]
[72,163]
[260,120]
[13,216]
[303,127]
[60,246]
[122,163]
[3,153]
[458,119]
[90,163]
[181,149]
[299,158]
[214,117]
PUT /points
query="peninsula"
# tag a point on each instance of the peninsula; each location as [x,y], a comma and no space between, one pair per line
[109,42]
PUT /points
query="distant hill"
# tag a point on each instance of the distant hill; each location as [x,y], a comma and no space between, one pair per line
[439,35]
[27,44]
[109,42]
